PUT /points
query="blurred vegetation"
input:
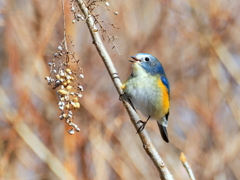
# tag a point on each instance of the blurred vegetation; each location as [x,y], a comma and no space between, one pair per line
[198,45]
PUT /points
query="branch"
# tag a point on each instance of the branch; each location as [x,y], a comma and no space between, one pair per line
[147,144]
[64,26]
[187,166]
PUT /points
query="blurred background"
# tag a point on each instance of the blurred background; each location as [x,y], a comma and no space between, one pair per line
[196,41]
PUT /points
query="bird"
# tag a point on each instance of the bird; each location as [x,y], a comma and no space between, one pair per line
[148,90]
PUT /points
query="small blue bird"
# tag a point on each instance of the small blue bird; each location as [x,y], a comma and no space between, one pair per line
[148,90]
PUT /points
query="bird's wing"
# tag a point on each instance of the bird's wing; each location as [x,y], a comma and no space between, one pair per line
[165,82]
[163,129]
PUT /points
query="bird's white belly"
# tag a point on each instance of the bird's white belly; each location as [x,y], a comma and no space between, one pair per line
[145,96]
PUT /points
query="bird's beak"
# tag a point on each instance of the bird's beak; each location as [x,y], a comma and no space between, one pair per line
[134,59]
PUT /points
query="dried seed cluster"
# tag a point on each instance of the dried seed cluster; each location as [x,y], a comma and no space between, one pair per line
[66,81]
[74,8]
[77,14]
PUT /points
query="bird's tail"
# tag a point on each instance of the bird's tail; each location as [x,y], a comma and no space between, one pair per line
[163,129]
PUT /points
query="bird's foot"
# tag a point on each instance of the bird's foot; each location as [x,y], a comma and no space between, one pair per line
[122,97]
[143,124]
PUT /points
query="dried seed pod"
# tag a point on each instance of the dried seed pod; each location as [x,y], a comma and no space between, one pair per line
[66,97]
[67,121]
[77,105]
[62,92]
[79,95]
[75,126]
[68,70]
[72,103]
[57,83]
[61,107]
[65,83]
[61,103]
[60,48]
[67,106]
[69,77]
[62,73]
[75,99]
[48,78]
[69,87]
[57,76]
[72,9]
[80,88]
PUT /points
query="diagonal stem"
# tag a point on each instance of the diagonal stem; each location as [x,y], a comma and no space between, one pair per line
[147,143]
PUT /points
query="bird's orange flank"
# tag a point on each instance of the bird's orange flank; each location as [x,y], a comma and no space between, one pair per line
[165,97]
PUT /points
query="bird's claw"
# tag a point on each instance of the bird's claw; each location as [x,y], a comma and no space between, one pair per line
[140,121]
[122,97]
[142,126]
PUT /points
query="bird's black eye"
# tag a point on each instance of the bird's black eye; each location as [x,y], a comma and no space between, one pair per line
[147,59]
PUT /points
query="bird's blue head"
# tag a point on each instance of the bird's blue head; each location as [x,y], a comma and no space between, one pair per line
[149,63]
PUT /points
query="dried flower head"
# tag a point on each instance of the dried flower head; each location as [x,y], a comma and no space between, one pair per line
[65,80]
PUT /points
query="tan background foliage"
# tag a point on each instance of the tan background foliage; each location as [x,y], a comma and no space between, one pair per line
[198,45]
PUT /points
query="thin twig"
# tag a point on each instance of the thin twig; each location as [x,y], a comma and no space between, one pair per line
[187,166]
[147,144]
[64,27]
[105,32]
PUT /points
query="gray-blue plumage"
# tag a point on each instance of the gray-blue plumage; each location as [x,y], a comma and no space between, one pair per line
[149,91]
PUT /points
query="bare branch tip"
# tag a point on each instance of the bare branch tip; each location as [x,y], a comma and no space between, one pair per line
[183,157]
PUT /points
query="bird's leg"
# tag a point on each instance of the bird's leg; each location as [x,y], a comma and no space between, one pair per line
[143,124]
[124,97]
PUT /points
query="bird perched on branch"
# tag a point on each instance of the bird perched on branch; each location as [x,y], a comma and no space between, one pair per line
[148,90]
